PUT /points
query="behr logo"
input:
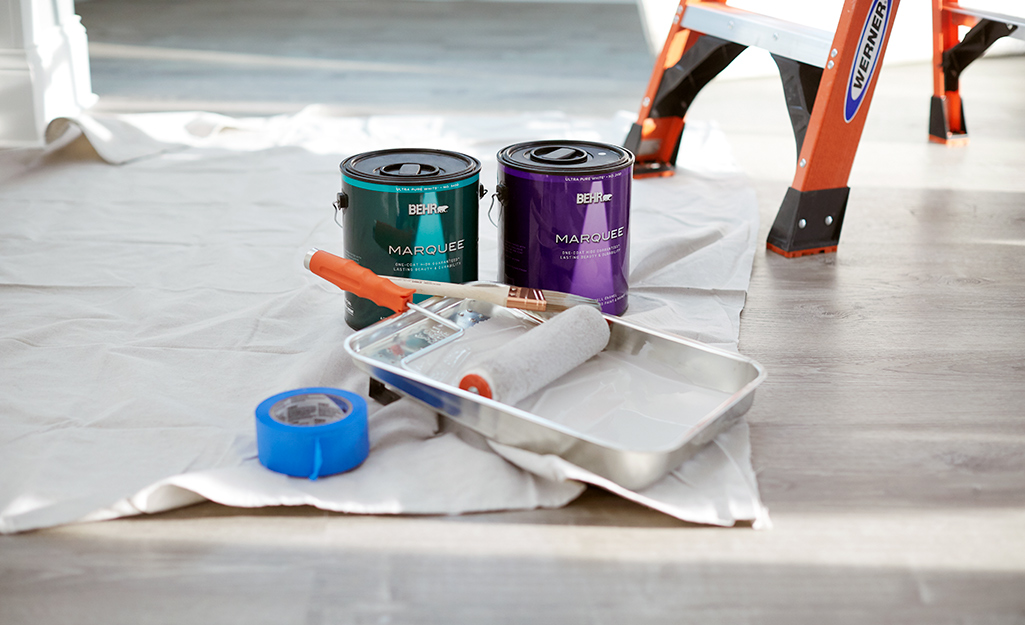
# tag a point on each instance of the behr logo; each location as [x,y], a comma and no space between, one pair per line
[593,198]
[427,209]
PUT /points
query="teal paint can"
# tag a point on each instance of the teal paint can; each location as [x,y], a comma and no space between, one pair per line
[409,213]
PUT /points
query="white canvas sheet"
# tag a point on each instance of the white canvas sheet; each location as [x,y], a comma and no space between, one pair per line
[152,294]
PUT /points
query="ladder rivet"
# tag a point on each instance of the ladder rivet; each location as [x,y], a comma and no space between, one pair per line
[801,224]
[647,101]
[775,35]
[829,65]
[731,24]
[833,53]
[803,162]
[829,220]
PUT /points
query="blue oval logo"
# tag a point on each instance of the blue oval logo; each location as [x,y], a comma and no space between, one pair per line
[873,34]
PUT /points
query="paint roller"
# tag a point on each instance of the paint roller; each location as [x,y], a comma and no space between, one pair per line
[523,366]
[539,356]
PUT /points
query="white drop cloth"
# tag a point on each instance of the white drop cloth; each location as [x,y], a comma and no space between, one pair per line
[152,294]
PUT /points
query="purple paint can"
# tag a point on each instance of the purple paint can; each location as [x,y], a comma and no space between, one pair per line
[565,220]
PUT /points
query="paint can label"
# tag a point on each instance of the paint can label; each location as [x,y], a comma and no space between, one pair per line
[566,228]
[404,227]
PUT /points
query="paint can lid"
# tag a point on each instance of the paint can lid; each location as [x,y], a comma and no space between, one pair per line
[410,166]
[565,157]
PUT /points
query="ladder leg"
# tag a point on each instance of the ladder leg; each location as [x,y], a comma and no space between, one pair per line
[689,61]
[951,57]
[811,216]
[946,115]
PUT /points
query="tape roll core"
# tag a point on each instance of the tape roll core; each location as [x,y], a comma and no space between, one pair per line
[312,432]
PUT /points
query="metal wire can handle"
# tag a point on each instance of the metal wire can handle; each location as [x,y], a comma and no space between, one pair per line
[341,203]
[500,195]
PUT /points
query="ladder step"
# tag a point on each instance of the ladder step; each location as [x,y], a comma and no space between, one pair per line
[1010,20]
[793,41]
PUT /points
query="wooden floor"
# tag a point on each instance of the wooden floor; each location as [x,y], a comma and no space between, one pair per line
[889,438]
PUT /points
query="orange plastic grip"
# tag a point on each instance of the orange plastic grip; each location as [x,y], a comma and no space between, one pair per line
[358,280]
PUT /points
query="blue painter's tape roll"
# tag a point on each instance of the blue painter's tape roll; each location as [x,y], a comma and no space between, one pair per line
[312,432]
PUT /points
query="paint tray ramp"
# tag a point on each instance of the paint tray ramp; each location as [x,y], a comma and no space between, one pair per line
[630,414]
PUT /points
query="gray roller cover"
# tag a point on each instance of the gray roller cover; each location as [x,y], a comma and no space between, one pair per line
[543,354]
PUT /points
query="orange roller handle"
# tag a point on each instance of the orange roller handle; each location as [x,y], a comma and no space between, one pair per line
[350,276]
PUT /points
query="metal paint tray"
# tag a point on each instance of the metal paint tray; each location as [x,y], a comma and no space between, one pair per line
[721,384]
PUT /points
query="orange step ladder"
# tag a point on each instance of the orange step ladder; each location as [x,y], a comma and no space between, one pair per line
[828,81]
[951,54]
